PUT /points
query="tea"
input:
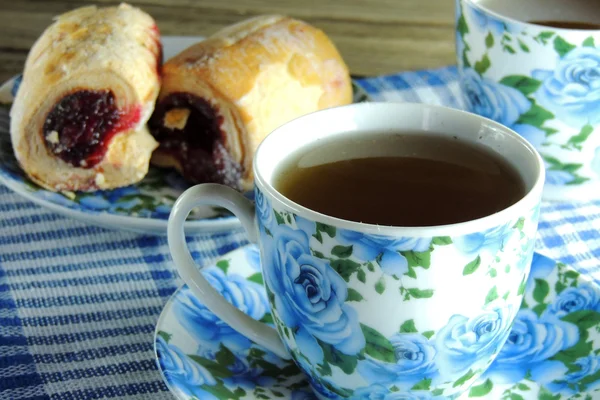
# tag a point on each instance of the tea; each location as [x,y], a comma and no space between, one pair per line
[568,25]
[416,179]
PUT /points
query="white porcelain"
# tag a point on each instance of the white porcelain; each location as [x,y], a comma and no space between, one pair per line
[540,81]
[345,295]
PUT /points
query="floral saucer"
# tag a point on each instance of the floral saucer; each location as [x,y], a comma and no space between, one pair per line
[552,353]
[143,207]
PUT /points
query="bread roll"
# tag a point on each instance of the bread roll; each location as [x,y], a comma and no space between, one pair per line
[222,96]
[89,86]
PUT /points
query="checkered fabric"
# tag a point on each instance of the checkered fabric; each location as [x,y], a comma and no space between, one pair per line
[78,304]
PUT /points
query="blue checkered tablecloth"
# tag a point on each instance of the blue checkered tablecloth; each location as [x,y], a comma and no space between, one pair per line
[78,304]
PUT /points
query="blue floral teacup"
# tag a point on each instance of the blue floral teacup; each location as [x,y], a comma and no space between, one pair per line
[378,312]
[543,82]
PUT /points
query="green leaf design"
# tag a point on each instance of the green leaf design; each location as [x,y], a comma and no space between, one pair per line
[224,356]
[428,334]
[541,290]
[353,295]
[571,274]
[493,273]
[371,267]
[329,230]
[584,319]
[166,336]
[505,296]
[589,42]
[217,370]
[577,140]
[562,47]
[509,49]
[279,218]
[545,394]
[318,254]
[559,287]
[437,392]
[377,346]
[342,251]
[520,224]
[420,293]
[380,285]
[472,266]
[441,240]
[417,259]
[516,396]
[539,309]
[489,40]
[257,278]
[318,236]
[483,65]
[523,387]
[461,26]
[492,295]
[522,83]
[481,390]
[335,357]
[425,384]
[224,265]
[361,275]
[408,327]
[523,46]
[324,369]
[267,319]
[535,116]
[345,268]
[464,379]
[544,36]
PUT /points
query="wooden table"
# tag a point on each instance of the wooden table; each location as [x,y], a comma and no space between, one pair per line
[374,36]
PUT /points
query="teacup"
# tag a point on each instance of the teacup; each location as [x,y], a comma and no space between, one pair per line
[541,81]
[368,310]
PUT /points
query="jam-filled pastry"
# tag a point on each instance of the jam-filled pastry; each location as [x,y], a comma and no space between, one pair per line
[89,86]
[222,96]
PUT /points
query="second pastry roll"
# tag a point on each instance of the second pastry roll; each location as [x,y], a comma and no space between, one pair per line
[222,96]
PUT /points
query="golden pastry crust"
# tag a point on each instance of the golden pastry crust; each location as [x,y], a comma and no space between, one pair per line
[256,75]
[112,54]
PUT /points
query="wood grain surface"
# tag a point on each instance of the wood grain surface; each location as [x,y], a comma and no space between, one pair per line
[374,36]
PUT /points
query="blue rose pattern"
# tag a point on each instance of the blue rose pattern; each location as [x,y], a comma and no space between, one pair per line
[491,240]
[464,341]
[370,247]
[263,209]
[530,345]
[583,297]
[572,90]
[181,372]
[309,295]
[493,100]
[588,366]
[486,22]
[207,327]
[380,392]
[415,360]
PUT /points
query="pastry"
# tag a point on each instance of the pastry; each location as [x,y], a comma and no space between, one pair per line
[90,82]
[220,97]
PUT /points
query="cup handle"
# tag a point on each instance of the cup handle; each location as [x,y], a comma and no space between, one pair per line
[223,196]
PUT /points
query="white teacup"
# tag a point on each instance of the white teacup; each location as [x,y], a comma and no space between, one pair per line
[541,81]
[368,311]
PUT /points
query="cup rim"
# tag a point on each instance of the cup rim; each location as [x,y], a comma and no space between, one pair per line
[482,8]
[522,206]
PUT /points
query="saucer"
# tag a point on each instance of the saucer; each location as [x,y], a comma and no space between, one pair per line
[143,207]
[552,353]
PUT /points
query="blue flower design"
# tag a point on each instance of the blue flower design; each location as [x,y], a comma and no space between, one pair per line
[532,134]
[309,295]
[491,240]
[415,361]
[531,343]
[583,297]
[466,342]
[493,100]
[264,212]
[541,268]
[205,326]
[182,373]
[588,366]
[380,392]
[253,257]
[369,247]
[572,90]
[486,22]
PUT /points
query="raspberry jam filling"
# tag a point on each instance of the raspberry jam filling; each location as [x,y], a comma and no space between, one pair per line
[189,130]
[80,127]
